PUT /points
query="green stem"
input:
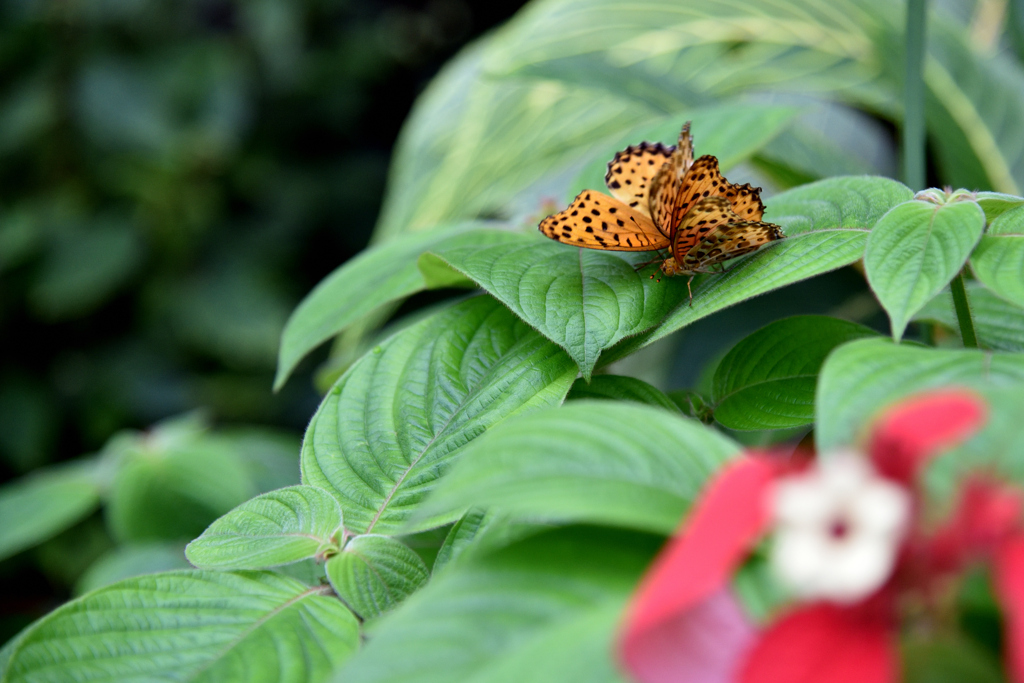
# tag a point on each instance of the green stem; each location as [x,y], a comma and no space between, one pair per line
[963,311]
[913,98]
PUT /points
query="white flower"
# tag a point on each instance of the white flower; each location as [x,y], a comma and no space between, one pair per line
[838,529]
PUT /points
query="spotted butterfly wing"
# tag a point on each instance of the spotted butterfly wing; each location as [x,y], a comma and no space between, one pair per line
[631,172]
[667,183]
[705,180]
[597,221]
[720,235]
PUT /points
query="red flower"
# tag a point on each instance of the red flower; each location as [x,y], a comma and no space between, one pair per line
[684,625]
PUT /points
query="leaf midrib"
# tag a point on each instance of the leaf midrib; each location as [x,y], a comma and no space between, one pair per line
[416,460]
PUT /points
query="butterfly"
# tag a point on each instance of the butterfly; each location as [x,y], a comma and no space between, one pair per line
[664,199]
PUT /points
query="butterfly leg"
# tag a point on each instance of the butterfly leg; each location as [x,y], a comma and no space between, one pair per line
[640,266]
[690,291]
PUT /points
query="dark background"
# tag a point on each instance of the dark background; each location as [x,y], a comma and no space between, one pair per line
[174,177]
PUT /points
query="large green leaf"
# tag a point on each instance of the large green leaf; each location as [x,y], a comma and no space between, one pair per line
[543,610]
[860,378]
[998,324]
[915,250]
[767,380]
[674,55]
[39,506]
[584,300]
[998,260]
[373,279]
[975,110]
[567,78]
[827,225]
[479,532]
[588,461]
[190,626]
[393,423]
[374,573]
[275,528]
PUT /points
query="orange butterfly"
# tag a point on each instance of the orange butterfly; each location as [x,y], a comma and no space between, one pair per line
[662,198]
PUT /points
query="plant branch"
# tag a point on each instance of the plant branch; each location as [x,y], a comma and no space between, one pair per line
[913,97]
[963,311]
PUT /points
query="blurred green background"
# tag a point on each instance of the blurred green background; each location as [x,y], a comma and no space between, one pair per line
[174,177]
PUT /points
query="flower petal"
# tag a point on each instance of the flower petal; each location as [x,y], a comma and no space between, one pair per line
[824,642]
[1009,585]
[703,644]
[907,435]
[684,591]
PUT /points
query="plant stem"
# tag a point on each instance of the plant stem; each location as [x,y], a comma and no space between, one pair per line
[913,98]
[963,311]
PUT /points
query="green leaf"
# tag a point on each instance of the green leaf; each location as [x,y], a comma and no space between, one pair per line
[41,505]
[479,532]
[133,559]
[998,324]
[767,380]
[374,278]
[518,107]
[692,404]
[544,610]
[998,260]
[731,132]
[461,536]
[374,573]
[191,625]
[915,250]
[173,489]
[995,204]
[599,462]
[276,528]
[619,388]
[827,224]
[862,377]
[947,659]
[394,422]
[584,300]
[674,56]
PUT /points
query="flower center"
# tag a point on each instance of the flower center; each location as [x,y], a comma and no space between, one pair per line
[839,529]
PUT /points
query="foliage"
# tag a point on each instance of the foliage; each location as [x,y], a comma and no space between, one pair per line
[483,485]
[157,489]
[174,176]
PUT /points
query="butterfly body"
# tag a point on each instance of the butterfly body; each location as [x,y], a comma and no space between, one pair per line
[664,199]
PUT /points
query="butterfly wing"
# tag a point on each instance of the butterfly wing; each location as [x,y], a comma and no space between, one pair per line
[721,235]
[705,180]
[597,221]
[631,172]
[667,183]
